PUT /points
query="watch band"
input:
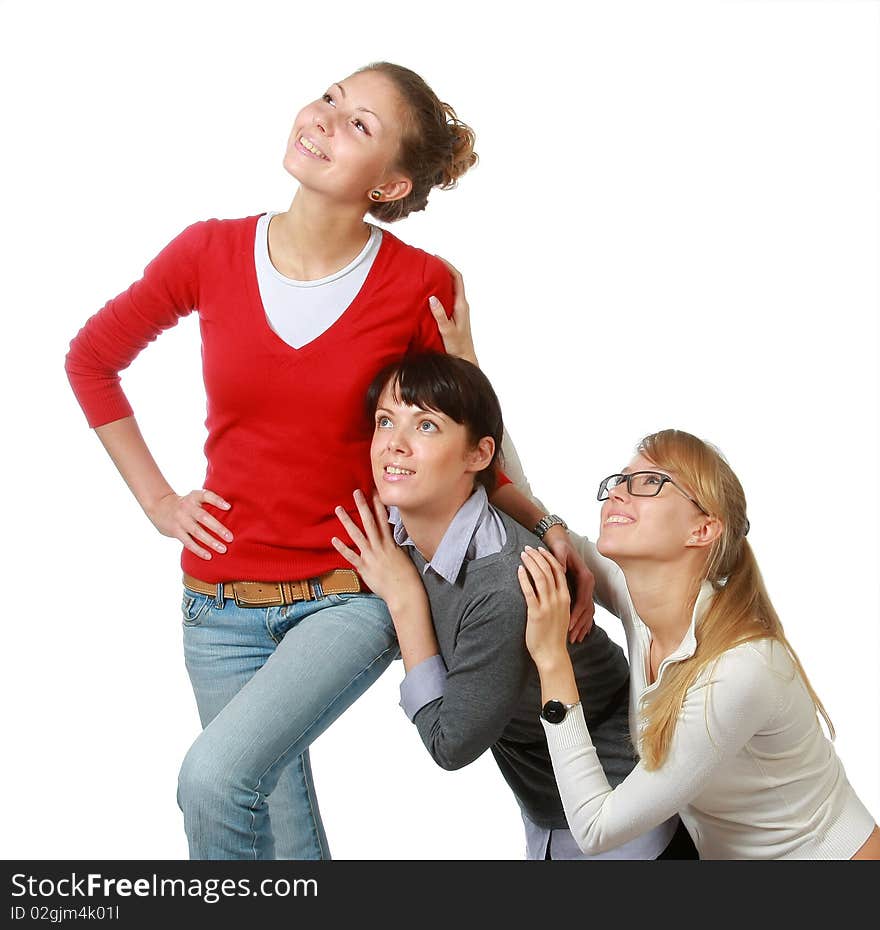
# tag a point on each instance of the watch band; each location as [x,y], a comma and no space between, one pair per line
[546,522]
[555,711]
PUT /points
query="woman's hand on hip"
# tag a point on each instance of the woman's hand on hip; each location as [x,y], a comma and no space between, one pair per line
[543,584]
[455,331]
[383,565]
[185,518]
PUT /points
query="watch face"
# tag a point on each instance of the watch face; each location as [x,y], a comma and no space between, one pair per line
[554,712]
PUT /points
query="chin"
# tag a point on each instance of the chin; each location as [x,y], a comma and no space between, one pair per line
[606,547]
[291,166]
[387,499]
[391,496]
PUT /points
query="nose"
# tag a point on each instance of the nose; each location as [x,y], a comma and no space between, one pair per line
[397,442]
[619,492]
[324,123]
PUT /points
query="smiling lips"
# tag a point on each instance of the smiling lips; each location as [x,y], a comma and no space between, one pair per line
[618,519]
[311,148]
[396,472]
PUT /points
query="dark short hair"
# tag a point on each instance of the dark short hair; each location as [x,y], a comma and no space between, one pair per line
[449,385]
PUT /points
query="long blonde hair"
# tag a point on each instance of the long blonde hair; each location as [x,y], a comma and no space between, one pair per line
[740,610]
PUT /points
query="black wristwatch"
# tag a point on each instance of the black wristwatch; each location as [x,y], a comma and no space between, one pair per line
[556,711]
[546,522]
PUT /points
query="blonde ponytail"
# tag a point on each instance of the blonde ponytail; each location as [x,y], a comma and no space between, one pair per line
[740,610]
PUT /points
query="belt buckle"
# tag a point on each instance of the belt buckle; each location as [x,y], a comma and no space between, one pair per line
[316,588]
[239,591]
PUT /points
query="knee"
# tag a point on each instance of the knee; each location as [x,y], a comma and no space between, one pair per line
[201,783]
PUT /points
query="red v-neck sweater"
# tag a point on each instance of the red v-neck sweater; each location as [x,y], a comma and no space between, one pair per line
[287,436]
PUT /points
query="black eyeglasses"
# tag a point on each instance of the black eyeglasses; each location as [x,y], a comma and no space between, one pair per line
[641,484]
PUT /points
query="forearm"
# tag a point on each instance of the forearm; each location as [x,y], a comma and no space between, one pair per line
[411,615]
[515,504]
[557,680]
[527,511]
[125,445]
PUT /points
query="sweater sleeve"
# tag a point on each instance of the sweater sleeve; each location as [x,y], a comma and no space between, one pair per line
[113,337]
[720,714]
[610,590]
[484,681]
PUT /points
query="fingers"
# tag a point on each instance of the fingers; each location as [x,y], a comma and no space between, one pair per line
[198,517]
[381,518]
[546,573]
[204,536]
[438,311]
[215,499]
[192,545]
[369,522]
[195,523]
[348,554]
[526,588]
[579,605]
[579,631]
[215,526]
[582,608]
[372,535]
[555,566]
[357,537]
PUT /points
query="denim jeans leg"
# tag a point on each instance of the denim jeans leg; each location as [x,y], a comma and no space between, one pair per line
[330,652]
[223,650]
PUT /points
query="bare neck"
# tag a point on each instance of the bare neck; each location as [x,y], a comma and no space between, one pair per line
[662,594]
[316,236]
[427,526]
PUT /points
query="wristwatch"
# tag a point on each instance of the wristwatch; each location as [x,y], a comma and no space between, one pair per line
[546,522]
[556,711]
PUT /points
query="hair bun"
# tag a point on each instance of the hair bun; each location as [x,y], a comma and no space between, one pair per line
[462,155]
[436,147]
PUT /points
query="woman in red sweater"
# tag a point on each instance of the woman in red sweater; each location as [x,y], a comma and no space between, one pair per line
[297,312]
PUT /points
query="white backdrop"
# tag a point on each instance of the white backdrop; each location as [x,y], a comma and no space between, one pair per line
[674,223]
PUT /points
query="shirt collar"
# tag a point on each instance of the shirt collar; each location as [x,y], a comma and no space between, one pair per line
[453,548]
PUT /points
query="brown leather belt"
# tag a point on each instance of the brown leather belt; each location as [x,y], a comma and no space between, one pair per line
[279,593]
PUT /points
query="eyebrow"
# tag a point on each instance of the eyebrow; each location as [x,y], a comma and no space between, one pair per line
[361,109]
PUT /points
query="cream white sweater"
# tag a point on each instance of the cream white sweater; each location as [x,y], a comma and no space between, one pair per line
[749,770]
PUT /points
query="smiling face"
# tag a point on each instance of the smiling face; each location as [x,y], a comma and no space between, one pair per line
[659,528]
[346,142]
[423,461]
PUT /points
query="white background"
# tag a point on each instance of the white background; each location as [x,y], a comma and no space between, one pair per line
[674,223]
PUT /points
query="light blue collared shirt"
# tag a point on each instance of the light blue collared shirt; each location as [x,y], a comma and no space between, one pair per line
[476,531]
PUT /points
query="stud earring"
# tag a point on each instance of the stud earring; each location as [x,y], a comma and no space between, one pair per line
[375,195]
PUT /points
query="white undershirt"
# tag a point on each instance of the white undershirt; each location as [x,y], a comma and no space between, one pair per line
[299,311]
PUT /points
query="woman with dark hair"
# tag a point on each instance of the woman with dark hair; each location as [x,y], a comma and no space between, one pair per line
[297,312]
[446,566]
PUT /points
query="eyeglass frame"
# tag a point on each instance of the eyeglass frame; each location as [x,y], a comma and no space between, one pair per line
[603,485]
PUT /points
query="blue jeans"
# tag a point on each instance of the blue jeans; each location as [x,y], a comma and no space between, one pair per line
[268,681]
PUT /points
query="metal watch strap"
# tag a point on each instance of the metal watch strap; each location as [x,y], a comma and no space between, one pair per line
[546,522]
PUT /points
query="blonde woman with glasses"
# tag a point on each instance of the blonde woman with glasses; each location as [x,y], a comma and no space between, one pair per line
[721,711]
